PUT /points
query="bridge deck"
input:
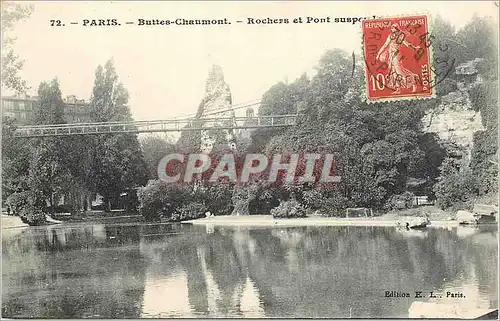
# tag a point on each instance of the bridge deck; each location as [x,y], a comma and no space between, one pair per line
[156,126]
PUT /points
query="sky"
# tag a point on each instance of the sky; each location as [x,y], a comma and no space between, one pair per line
[164,68]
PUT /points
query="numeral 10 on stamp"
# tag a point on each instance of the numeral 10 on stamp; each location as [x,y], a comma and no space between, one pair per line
[397,58]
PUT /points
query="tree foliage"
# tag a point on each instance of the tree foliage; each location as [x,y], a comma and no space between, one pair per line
[289,209]
[116,160]
[36,171]
[376,146]
[15,160]
[12,13]
[479,38]
[460,185]
[45,170]
[456,185]
[154,148]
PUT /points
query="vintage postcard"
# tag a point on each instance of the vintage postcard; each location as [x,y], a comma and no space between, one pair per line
[244,159]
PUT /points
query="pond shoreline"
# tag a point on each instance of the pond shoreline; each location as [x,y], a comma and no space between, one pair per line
[10,222]
[387,220]
[268,220]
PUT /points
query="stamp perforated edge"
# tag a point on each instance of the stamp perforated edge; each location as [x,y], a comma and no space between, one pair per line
[430,25]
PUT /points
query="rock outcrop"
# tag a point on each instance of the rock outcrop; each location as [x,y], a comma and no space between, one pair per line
[217,98]
[454,120]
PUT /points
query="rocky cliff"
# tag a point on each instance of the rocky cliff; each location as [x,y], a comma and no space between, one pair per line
[454,120]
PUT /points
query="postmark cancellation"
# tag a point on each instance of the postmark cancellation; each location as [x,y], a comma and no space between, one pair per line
[398,58]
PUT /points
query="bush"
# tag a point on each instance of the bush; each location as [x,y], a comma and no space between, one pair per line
[328,202]
[456,187]
[20,205]
[129,201]
[483,97]
[333,206]
[160,199]
[189,211]
[478,96]
[216,197]
[289,209]
[32,216]
[65,208]
[401,201]
[483,161]
[17,201]
[312,199]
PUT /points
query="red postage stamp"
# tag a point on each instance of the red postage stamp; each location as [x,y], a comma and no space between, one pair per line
[397,58]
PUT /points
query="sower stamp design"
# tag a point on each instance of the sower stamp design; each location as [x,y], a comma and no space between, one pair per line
[397,58]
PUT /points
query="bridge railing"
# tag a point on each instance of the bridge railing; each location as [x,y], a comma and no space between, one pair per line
[155,126]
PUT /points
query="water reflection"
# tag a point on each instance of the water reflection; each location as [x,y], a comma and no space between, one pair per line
[150,271]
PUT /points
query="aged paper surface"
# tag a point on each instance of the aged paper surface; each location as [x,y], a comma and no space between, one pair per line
[250,159]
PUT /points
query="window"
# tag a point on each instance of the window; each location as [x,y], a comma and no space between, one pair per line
[8,105]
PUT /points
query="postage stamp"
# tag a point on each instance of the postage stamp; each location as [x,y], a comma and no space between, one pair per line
[397,58]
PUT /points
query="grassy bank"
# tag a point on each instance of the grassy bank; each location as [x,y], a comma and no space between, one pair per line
[433,212]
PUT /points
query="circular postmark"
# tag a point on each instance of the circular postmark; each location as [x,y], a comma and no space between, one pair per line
[402,59]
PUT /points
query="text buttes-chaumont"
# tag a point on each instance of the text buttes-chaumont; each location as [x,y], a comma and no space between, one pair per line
[182,22]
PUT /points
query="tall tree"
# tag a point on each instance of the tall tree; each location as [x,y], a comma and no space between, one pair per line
[50,106]
[280,99]
[283,99]
[480,40]
[36,173]
[11,62]
[15,153]
[116,161]
[43,169]
[15,160]
[48,172]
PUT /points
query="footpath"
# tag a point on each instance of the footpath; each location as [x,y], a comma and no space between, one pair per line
[268,220]
[10,221]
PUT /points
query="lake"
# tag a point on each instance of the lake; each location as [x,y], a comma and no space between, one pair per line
[180,270]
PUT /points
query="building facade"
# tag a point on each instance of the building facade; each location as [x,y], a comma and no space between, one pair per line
[22,108]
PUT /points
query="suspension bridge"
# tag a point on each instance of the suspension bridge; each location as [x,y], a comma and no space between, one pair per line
[209,121]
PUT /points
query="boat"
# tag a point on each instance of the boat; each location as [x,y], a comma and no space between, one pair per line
[419,222]
[414,222]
